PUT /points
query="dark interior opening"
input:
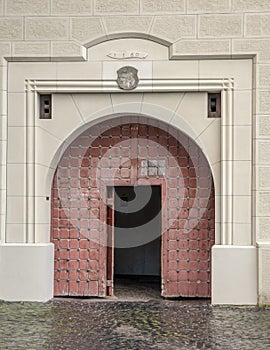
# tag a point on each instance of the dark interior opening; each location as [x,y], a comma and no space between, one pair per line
[137,236]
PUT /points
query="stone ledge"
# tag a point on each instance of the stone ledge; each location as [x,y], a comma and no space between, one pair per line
[234,283]
[26,272]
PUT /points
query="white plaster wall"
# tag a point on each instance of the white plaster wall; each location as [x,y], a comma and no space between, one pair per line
[35,145]
[53,30]
[75,112]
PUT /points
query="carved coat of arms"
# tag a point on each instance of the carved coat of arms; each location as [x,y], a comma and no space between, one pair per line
[127,78]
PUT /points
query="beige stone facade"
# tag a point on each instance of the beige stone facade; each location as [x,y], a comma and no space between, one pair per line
[61,47]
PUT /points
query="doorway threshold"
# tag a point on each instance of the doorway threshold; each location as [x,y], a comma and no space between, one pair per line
[137,288]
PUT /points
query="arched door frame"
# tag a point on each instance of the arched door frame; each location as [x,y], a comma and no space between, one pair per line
[188,155]
[222,167]
[222,175]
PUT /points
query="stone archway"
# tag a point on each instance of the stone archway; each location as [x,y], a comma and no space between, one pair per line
[132,151]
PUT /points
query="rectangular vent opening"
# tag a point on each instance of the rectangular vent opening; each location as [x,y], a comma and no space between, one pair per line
[214,105]
[45,103]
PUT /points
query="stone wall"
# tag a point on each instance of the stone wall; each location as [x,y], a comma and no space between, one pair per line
[48,27]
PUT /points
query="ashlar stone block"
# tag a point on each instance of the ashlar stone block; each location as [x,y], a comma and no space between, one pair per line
[220,26]
[264,178]
[201,47]
[263,125]
[264,102]
[26,7]
[259,47]
[86,29]
[30,49]
[173,28]
[263,232]
[116,7]
[263,203]
[68,49]
[263,76]
[116,24]
[72,7]
[46,28]
[263,152]
[208,6]
[5,49]
[250,5]
[258,25]
[11,29]
[161,6]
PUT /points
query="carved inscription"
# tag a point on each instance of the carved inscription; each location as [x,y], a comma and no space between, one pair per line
[123,55]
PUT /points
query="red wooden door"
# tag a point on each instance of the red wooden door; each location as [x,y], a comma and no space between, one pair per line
[126,152]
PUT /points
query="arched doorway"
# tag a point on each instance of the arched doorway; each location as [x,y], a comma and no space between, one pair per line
[100,175]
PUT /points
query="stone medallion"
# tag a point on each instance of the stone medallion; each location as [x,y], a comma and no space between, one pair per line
[127,78]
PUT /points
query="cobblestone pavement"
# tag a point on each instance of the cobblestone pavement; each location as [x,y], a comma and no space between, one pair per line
[125,324]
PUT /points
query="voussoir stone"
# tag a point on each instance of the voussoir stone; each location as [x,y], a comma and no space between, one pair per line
[86,29]
[127,24]
[67,49]
[173,28]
